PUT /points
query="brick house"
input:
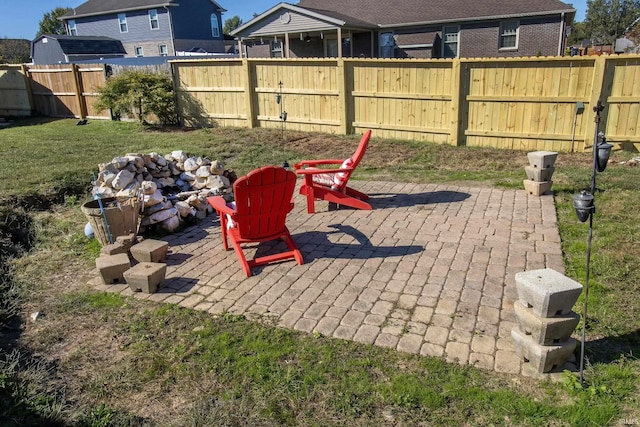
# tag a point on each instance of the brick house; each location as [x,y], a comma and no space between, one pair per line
[408,29]
[151,27]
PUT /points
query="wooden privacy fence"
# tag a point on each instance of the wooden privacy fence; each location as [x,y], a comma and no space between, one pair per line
[67,90]
[14,93]
[521,103]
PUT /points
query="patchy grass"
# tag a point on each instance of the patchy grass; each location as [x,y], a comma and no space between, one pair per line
[101,359]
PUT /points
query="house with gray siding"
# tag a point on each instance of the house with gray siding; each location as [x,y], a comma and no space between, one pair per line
[151,27]
[56,49]
[408,29]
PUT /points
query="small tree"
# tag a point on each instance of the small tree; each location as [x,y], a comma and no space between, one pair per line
[607,20]
[51,24]
[231,24]
[14,51]
[139,94]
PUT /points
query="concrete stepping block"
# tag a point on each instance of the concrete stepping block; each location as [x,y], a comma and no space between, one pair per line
[548,292]
[127,241]
[114,249]
[539,175]
[543,358]
[545,330]
[146,276]
[542,159]
[150,250]
[112,267]
[534,188]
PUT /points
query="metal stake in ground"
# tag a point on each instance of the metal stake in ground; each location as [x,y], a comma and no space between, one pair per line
[584,205]
[283,118]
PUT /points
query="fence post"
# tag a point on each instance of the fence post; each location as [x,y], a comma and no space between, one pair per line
[27,82]
[249,90]
[343,97]
[456,112]
[175,78]
[597,86]
[79,92]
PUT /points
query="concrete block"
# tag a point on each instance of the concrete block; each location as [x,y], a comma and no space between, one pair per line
[548,292]
[542,159]
[539,175]
[112,267]
[534,188]
[150,250]
[146,276]
[113,249]
[545,330]
[543,358]
[127,241]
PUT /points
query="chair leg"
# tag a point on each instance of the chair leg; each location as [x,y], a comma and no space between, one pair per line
[311,203]
[293,248]
[243,260]
[223,229]
[307,189]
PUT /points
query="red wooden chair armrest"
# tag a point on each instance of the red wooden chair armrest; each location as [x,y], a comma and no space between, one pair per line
[318,162]
[220,204]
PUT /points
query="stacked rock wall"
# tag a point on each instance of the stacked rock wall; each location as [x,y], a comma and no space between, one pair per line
[169,188]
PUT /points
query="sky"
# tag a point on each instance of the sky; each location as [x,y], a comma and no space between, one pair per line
[19,19]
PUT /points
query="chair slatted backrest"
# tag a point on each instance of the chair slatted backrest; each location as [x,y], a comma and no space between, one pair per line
[263,200]
[362,147]
[342,178]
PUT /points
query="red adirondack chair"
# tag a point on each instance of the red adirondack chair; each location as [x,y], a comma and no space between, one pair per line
[263,198]
[331,184]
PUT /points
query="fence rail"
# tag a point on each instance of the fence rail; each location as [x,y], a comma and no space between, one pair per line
[519,103]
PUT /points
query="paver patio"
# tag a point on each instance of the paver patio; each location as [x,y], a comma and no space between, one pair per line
[430,270]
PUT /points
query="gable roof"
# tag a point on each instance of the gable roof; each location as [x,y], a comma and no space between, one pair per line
[406,12]
[102,7]
[331,18]
[80,45]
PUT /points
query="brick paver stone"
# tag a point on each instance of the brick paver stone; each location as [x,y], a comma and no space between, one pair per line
[452,297]
[367,334]
[410,343]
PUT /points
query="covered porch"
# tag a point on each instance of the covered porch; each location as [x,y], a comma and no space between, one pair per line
[288,31]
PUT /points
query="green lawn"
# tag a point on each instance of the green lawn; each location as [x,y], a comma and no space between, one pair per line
[102,359]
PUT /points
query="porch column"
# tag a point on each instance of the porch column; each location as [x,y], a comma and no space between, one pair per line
[339,42]
[286,45]
[240,52]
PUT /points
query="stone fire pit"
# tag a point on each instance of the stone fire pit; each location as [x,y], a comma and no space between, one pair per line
[172,188]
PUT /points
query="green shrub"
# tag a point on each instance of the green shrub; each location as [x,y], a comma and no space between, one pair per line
[139,94]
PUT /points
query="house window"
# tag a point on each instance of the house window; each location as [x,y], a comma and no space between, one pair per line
[276,49]
[138,50]
[387,45]
[215,28]
[153,19]
[122,19]
[162,50]
[450,42]
[73,31]
[509,34]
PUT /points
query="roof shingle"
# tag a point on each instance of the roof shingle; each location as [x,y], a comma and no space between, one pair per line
[410,11]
